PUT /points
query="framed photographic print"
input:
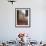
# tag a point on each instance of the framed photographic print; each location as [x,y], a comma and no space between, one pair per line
[22,17]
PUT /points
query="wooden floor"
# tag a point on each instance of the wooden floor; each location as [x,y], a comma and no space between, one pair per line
[22,22]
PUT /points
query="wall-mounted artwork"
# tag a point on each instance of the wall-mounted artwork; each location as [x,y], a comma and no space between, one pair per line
[22,17]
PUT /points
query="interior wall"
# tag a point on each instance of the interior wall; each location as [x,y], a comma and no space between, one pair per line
[8,31]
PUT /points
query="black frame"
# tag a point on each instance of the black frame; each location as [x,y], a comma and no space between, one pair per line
[29,18]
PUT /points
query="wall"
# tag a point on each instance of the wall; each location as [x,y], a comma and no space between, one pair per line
[8,31]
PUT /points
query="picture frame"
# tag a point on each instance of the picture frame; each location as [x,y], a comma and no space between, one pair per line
[22,17]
